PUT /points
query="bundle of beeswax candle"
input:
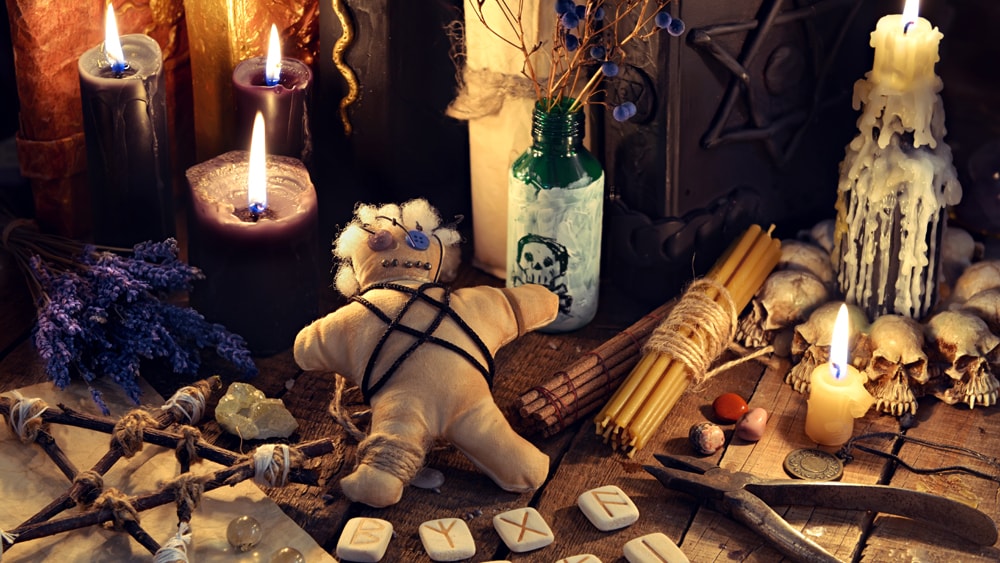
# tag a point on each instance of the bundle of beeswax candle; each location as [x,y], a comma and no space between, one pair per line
[697,330]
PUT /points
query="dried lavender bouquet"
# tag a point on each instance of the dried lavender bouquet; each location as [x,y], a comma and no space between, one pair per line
[102,310]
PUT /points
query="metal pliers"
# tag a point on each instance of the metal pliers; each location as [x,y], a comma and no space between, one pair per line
[745,498]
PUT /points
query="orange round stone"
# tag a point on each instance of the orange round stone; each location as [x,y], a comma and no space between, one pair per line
[729,407]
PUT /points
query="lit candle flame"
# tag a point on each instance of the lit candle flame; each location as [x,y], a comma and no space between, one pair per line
[838,344]
[911,11]
[112,44]
[272,68]
[257,175]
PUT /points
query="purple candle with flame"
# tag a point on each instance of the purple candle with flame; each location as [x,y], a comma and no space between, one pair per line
[279,89]
[125,123]
[253,232]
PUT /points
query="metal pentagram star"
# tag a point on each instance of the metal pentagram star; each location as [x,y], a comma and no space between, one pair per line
[760,126]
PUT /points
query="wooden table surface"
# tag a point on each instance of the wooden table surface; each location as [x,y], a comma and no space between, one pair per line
[580,461]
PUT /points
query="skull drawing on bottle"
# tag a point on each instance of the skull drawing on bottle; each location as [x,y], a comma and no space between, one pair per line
[543,260]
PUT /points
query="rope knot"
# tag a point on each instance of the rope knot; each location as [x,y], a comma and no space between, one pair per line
[25,418]
[87,486]
[129,430]
[272,463]
[187,489]
[120,505]
[187,450]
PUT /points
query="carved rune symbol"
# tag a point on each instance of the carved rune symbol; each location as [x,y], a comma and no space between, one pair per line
[523,526]
[655,553]
[598,496]
[444,531]
[366,532]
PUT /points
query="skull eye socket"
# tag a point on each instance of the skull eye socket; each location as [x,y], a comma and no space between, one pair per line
[884,365]
[915,370]
[529,257]
[963,363]
[548,262]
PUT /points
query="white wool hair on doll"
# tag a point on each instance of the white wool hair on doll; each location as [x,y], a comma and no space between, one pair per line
[410,214]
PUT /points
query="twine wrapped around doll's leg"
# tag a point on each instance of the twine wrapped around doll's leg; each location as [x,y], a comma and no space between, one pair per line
[398,457]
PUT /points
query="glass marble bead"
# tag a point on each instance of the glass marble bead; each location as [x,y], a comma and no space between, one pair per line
[288,555]
[244,533]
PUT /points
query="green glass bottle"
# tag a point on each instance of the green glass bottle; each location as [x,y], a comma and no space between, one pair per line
[554,213]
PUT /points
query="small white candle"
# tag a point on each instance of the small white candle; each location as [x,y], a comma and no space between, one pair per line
[906,50]
[837,394]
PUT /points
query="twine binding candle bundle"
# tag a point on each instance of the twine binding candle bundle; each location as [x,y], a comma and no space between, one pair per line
[681,350]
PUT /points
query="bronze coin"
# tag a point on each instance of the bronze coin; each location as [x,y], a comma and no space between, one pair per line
[815,465]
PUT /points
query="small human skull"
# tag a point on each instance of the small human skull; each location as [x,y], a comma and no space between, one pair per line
[786,298]
[977,277]
[811,342]
[958,250]
[986,306]
[808,257]
[962,348]
[897,363]
[821,234]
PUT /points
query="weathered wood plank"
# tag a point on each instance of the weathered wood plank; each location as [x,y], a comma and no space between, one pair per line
[712,536]
[590,463]
[978,430]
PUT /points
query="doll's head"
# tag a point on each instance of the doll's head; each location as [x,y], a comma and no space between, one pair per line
[395,242]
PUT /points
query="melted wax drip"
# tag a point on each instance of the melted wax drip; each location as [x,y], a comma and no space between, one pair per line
[896,181]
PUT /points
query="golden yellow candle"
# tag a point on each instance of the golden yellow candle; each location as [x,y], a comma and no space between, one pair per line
[837,394]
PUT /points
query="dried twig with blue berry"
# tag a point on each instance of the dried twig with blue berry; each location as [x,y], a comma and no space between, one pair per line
[103,310]
[587,45]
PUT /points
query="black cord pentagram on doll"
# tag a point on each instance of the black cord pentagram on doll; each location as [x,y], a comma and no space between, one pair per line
[421,353]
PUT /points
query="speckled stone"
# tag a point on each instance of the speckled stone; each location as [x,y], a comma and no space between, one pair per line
[706,438]
[729,407]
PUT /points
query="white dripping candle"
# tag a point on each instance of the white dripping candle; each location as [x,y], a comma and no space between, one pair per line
[893,193]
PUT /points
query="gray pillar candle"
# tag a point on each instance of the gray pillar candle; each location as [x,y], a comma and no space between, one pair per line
[261,270]
[282,100]
[128,161]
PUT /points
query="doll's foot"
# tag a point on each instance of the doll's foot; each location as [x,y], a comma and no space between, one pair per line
[372,486]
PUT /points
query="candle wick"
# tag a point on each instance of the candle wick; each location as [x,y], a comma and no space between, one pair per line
[906,26]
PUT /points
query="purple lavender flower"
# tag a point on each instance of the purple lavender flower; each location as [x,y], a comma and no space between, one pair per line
[105,316]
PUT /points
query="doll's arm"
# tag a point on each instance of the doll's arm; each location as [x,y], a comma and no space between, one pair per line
[318,347]
[534,306]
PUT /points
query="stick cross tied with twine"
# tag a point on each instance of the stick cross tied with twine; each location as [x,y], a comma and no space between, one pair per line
[269,465]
